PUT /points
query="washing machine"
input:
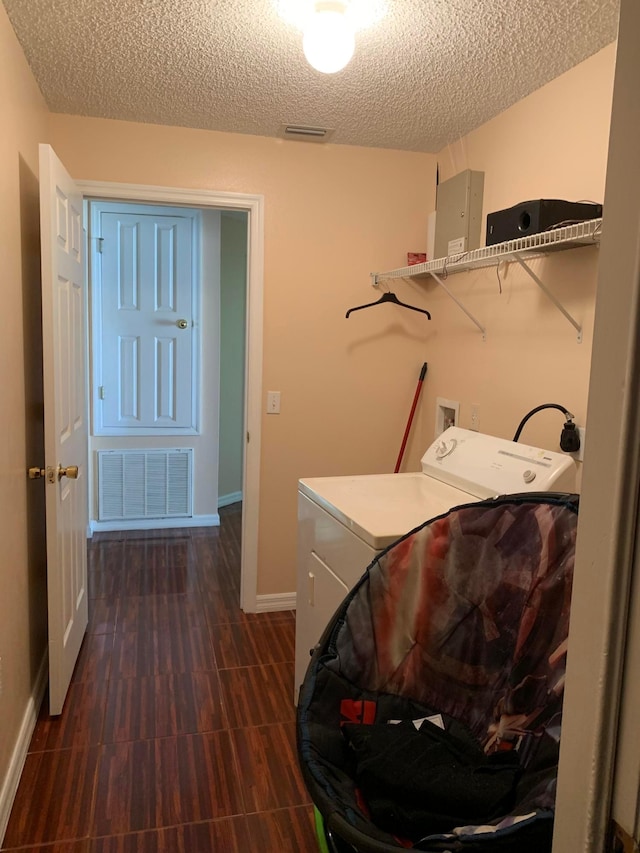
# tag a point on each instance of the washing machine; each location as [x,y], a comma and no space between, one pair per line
[344,522]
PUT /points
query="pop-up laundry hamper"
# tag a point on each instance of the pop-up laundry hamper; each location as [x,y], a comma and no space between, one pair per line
[429,717]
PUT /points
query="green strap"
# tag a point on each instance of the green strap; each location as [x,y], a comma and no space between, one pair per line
[322,838]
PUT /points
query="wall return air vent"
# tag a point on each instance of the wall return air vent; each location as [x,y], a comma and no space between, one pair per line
[306,133]
[138,484]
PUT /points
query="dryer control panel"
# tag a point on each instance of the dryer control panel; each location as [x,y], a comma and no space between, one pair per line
[486,466]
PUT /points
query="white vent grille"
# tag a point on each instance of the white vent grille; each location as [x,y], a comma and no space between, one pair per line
[307,133]
[144,484]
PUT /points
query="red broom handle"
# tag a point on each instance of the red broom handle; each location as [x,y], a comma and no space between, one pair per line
[423,373]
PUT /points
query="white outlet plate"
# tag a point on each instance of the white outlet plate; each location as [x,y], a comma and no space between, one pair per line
[579,454]
[475,417]
[583,438]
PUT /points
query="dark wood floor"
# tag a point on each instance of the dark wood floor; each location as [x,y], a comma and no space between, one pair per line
[178,732]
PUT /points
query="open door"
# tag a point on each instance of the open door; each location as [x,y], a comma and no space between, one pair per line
[65,421]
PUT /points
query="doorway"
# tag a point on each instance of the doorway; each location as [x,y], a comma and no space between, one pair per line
[251,208]
[168,317]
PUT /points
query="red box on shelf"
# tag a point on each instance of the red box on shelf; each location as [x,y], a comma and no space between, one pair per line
[416,258]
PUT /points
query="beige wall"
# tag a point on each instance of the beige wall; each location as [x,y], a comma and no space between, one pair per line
[205,444]
[332,214]
[233,291]
[552,144]
[22,565]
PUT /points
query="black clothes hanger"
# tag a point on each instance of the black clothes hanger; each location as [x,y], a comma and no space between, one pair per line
[389,297]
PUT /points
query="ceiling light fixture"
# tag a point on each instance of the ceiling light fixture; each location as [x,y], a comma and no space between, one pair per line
[328,39]
[362,13]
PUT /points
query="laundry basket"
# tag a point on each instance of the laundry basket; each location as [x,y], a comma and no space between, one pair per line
[429,717]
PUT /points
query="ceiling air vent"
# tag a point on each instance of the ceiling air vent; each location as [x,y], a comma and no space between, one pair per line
[306,133]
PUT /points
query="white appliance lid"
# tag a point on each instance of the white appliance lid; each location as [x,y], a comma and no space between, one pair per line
[460,467]
[379,508]
[486,466]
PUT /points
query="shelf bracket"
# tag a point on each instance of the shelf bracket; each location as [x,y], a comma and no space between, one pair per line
[549,295]
[459,304]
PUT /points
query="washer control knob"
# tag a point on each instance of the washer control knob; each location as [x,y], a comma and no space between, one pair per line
[445,448]
[529,476]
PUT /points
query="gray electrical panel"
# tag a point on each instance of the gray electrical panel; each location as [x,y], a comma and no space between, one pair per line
[459,214]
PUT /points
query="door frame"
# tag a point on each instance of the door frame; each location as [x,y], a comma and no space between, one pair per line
[593,785]
[253,205]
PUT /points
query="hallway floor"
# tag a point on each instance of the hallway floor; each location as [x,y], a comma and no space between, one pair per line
[178,733]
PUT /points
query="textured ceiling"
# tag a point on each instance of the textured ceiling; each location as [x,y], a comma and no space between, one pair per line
[425,75]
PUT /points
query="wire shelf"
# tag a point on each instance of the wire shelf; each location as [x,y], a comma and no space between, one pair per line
[568,237]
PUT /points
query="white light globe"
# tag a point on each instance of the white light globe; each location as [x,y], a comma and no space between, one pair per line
[328,40]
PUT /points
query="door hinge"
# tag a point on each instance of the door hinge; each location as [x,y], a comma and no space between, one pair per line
[99,242]
[101,392]
[620,841]
[247,437]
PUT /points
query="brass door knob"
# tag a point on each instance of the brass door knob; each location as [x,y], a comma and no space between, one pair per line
[182,324]
[71,471]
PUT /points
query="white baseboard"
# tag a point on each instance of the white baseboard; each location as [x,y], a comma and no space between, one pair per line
[19,754]
[272,603]
[231,498]
[157,523]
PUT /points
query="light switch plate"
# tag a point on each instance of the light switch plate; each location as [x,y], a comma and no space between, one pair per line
[273,402]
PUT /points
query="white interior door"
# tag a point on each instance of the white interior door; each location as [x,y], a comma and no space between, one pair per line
[145,322]
[65,425]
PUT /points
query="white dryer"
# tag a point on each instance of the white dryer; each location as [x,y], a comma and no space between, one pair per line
[343,522]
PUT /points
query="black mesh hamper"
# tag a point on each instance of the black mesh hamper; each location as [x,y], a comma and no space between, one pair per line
[430,714]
